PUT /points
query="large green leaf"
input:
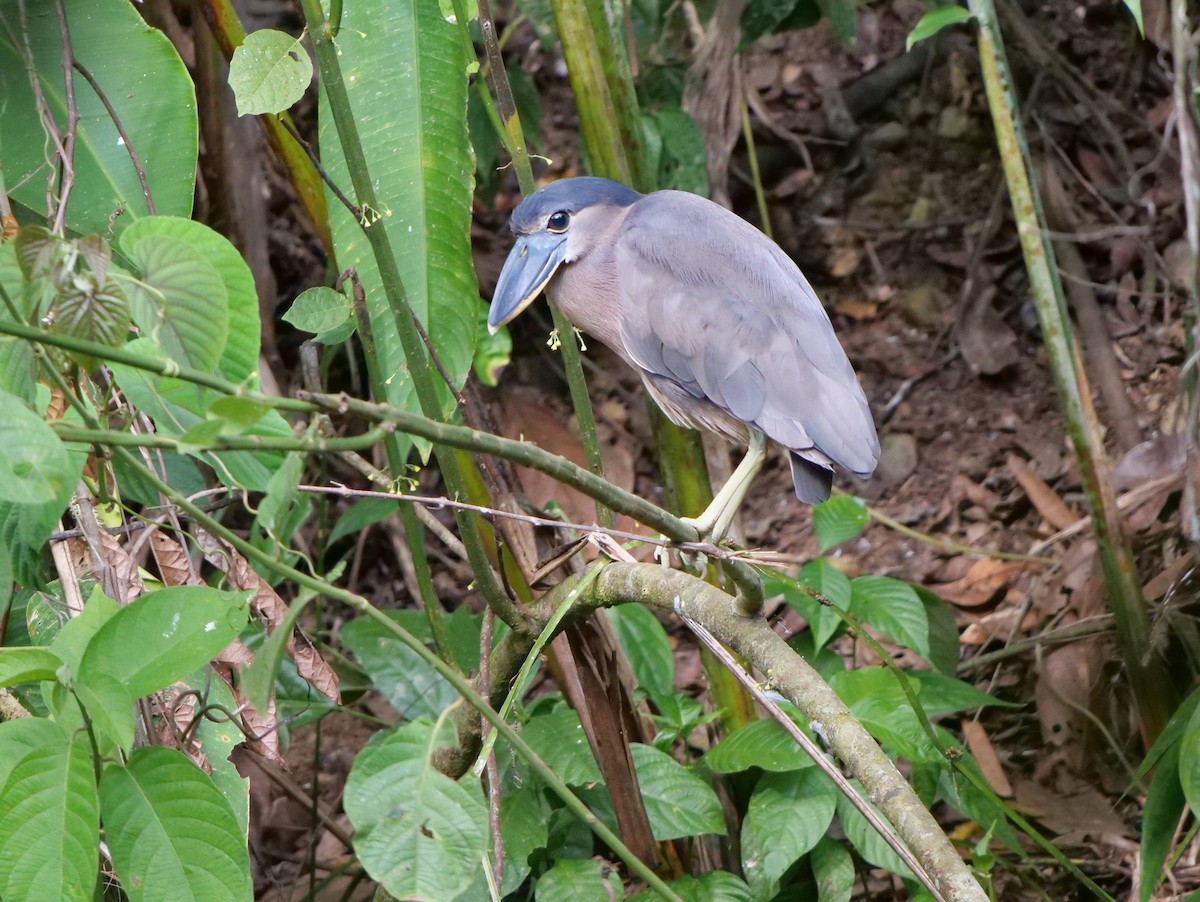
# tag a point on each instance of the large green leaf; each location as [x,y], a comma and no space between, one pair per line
[34,465]
[171,833]
[405,70]
[26,665]
[239,356]
[894,608]
[647,647]
[419,833]
[50,823]
[269,72]
[579,879]
[788,814]
[559,740]
[143,78]
[181,302]
[678,801]
[163,636]
[760,743]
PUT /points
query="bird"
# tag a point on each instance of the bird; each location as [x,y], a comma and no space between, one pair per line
[722,326]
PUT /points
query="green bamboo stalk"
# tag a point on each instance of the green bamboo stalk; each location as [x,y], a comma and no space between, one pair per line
[1152,689]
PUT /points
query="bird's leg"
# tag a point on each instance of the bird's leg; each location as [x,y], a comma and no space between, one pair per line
[715,521]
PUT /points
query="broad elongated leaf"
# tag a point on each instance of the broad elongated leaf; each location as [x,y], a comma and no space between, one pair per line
[761,743]
[239,356]
[524,826]
[559,740]
[893,608]
[1160,817]
[788,814]
[409,684]
[935,20]
[581,879]
[34,466]
[678,801]
[171,832]
[712,886]
[870,845]
[49,824]
[143,78]
[405,69]
[834,870]
[417,832]
[647,647]
[24,665]
[173,630]
[837,520]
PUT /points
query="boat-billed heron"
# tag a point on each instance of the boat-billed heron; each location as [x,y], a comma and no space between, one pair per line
[720,323]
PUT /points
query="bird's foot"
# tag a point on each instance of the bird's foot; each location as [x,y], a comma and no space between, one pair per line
[692,561]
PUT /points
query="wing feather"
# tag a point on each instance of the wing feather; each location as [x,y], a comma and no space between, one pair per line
[729,317]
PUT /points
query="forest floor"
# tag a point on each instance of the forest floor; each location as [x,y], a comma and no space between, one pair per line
[902,224]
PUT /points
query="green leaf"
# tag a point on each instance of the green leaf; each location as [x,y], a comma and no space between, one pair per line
[943,17]
[409,684]
[761,17]
[34,467]
[318,310]
[559,740]
[362,514]
[1160,816]
[761,743]
[269,72]
[171,832]
[712,886]
[870,845]
[678,801]
[1135,7]
[893,608]
[239,413]
[181,302]
[20,737]
[174,631]
[582,879]
[27,665]
[110,708]
[787,815]
[149,89]
[824,578]
[239,356]
[837,520]
[72,640]
[524,826]
[833,869]
[1189,761]
[842,16]
[683,164]
[283,506]
[419,833]
[492,352]
[943,631]
[25,528]
[49,824]
[217,739]
[406,74]
[939,694]
[647,647]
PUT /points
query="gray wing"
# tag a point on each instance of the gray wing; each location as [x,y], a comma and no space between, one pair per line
[712,304]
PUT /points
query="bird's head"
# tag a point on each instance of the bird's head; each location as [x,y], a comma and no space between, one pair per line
[554,225]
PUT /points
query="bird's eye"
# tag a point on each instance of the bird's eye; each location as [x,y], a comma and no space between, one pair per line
[559,221]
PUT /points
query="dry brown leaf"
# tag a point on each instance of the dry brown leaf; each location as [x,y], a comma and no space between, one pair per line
[1066,688]
[1075,818]
[1160,584]
[270,608]
[124,568]
[844,261]
[986,584]
[174,566]
[981,747]
[857,309]
[1052,508]
[988,345]
[998,625]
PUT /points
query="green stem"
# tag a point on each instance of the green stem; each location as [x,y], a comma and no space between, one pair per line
[1152,688]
